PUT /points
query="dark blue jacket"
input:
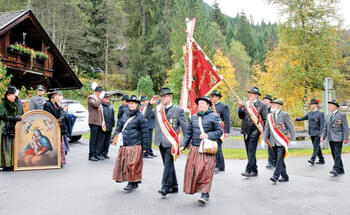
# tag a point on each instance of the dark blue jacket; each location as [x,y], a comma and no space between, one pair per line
[149,115]
[136,132]
[224,112]
[122,109]
[108,113]
[316,122]
[211,126]
[248,125]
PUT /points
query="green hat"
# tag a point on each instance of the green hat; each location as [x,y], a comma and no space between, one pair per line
[268,97]
[278,101]
[216,93]
[165,91]
[143,98]
[314,101]
[98,89]
[255,90]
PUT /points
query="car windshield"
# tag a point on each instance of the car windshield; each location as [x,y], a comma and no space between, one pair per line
[74,107]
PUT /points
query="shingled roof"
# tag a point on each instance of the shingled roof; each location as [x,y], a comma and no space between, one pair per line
[8,17]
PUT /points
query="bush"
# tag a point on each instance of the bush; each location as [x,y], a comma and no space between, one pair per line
[145,86]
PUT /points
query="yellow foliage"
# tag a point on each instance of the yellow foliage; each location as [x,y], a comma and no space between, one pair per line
[226,69]
[280,80]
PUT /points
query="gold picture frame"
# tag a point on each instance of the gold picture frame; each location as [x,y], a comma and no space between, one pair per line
[37,142]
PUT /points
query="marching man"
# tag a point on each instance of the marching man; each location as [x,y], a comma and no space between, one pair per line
[169,119]
[337,131]
[253,114]
[276,131]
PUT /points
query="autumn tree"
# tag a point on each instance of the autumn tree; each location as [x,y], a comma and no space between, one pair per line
[308,45]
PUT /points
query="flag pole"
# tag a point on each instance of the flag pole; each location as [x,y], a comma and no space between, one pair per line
[231,89]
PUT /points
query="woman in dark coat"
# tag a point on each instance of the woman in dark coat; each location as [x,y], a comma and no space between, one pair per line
[10,114]
[134,130]
[200,166]
[52,107]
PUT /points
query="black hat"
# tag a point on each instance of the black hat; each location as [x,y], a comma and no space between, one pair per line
[107,94]
[216,93]
[334,102]
[133,98]
[278,101]
[11,90]
[143,98]
[165,91]
[52,93]
[125,98]
[98,89]
[204,98]
[314,101]
[268,97]
[255,90]
[40,87]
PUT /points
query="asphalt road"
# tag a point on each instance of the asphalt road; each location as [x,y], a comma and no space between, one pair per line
[84,187]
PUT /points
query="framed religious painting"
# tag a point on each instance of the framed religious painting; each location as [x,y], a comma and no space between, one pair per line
[37,142]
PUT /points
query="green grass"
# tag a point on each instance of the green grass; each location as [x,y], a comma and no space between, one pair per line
[262,154]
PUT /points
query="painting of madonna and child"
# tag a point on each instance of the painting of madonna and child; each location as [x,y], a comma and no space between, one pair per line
[37,142]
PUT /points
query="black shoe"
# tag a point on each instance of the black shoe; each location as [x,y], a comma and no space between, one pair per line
[334,173]
[204,198]
[253,174]
[245,174]
[106,157]
[311,162]
[100,157]
[93,158]
[7,168]
[283,179]
[216,171]
[274,180]
[153,155]
[269,166]
[134,186]
[128,187]
[147,156]
[341,173]
[163,192]
[320,162]
[173,190]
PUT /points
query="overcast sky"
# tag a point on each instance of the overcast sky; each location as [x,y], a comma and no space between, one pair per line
[260,10]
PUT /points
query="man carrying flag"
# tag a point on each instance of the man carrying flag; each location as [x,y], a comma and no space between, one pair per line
[253,114]
[276,130]
[169,119]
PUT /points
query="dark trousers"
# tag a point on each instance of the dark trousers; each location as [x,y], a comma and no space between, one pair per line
[95,134]
[336,148]
[280,165]
[317,148]
[220,162]
[105,142]
[149,150]
[169,175]
[251,143]
[271,156]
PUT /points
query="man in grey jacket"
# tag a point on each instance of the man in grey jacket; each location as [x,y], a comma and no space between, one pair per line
[277,128]
[37,102]
[316,124]
[337,131]
[176,118]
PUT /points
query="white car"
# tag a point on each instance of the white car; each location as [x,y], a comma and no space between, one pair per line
[81,125]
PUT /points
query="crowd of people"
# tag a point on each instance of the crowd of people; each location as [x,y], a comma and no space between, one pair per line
[11,111]
[137,119]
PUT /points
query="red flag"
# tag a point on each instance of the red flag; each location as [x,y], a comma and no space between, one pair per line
[204,77]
